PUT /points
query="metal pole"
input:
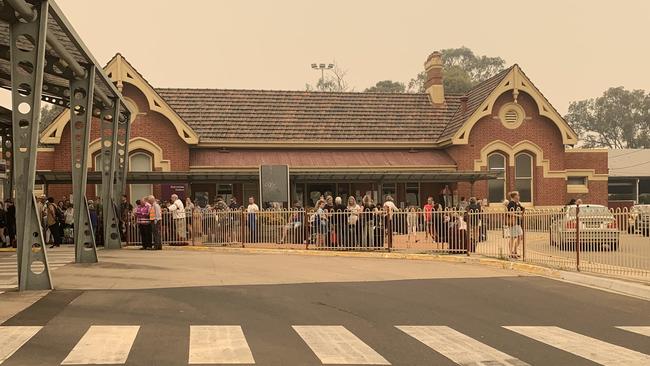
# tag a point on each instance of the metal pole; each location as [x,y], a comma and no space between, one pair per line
[81,108]
[109,129]
[121,166]
[27,69]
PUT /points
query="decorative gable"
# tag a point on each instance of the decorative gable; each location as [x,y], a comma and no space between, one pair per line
[121,71]
[515,81]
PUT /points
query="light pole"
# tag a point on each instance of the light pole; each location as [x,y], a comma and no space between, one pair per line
[322,68]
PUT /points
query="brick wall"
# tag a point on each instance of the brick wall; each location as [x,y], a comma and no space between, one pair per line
[545,134]
[148,124]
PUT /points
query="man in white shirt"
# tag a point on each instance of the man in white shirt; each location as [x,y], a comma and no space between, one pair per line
[177,210]
[251,212]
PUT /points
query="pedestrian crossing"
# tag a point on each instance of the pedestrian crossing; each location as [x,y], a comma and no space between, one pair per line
[56,258]
[331,345]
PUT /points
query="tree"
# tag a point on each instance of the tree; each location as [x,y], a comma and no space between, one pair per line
[48,113]
[618,119]
[462,69]
[333,81]
[387,86]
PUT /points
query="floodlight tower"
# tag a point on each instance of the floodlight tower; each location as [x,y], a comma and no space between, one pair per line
[322,68]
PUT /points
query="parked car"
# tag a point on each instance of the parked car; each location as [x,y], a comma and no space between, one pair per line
[639,220]
[598,229]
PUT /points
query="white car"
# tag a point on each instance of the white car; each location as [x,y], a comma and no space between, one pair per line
[639,220]
[598,229]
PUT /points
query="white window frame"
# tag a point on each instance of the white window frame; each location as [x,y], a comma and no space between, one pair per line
[150,170]
[530,179]
[502,178]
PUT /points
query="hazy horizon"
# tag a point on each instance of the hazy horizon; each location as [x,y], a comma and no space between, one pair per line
[570,50]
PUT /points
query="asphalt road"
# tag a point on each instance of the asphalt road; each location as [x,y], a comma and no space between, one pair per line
[475,310]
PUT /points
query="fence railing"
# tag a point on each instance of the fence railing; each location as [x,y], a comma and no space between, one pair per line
[583,239]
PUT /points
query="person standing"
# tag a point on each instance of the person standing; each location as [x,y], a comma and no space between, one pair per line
[428,209]
[53,221]
[353,211]
[251,219]
[68,228]
[515,209]
[125,210]
[11,221]
[368,221]
[178,215]
[142,215]
[155,223]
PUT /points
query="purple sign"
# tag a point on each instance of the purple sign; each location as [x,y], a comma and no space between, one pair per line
[173,188]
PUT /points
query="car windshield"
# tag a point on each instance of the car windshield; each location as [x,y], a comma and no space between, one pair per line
[590,211]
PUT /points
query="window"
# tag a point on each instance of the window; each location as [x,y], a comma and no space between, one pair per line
[388,189]
[225,191]
[140,162]
[413,194]
[524,177]
[576,181]
[497,186]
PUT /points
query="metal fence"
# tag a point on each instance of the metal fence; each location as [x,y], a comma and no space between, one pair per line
[582,239]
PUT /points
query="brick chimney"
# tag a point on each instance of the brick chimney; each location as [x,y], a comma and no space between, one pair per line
[433,85]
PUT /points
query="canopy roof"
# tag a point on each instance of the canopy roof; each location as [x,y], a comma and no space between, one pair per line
[298,175]
[59,69]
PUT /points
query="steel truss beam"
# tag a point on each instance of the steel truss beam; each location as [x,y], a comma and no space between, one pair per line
[109,133]
[81,111]
[27,68]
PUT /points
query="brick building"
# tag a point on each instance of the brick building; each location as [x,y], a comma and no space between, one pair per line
[500,136]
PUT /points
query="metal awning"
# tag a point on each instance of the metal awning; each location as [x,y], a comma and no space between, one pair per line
[66,55]
[50,177]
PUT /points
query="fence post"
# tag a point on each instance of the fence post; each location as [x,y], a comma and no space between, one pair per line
[524,228]
[577,238]
[389,244]
[242,228]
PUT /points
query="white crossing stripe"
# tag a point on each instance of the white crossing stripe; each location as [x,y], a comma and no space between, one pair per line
[219,344]
[592,349]
[13,337]
[640,330]
[458,347]
[103,345]
[334,344]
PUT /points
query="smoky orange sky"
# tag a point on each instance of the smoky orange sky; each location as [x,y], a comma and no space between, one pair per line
[570,49]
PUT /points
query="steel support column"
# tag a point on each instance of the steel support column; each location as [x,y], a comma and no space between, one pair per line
[81,111]
[109,132]
[121,162]
[27,66]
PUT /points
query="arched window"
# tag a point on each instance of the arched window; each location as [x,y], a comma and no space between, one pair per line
[140,162]
[497,186]
[524,176]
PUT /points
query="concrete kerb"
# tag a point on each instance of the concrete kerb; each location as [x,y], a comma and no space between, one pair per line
[634,289]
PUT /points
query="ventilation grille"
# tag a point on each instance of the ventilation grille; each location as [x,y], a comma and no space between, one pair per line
[511,116]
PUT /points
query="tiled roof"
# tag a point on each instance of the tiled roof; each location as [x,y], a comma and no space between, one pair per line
[475,97]
[218,115]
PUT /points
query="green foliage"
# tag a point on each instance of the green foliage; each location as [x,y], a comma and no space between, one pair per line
[618,119]
[462,69]
[387,86]
[48,113]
